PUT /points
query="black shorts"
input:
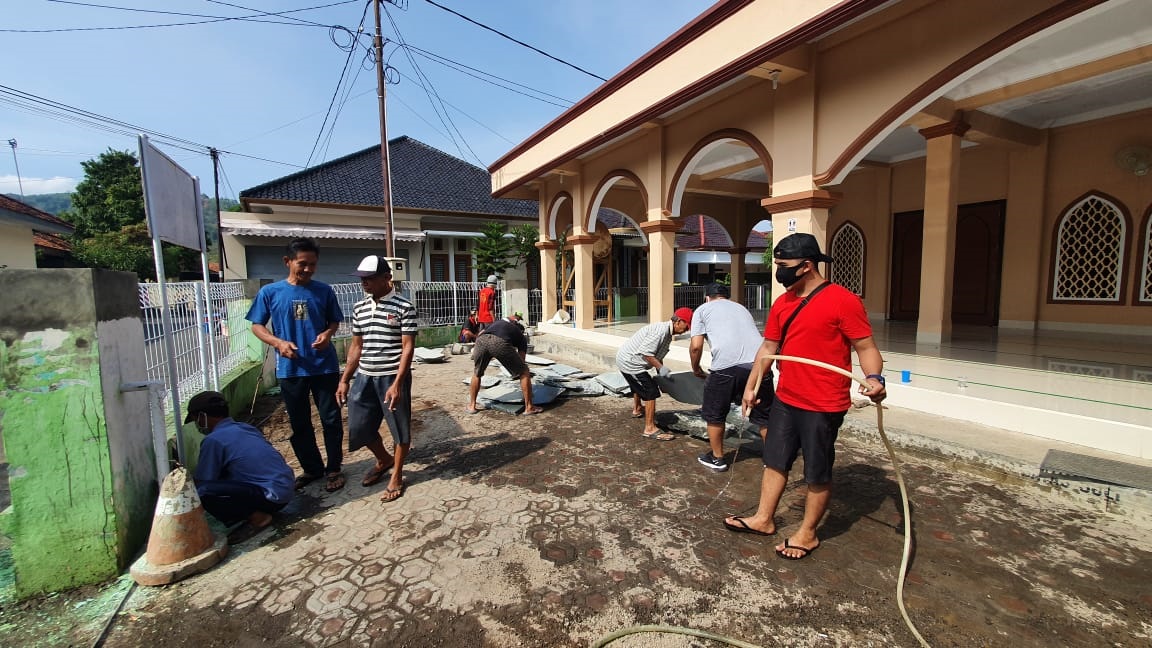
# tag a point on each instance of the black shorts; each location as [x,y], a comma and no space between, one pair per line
[791,429]
[642,385]
[367,410]
[726,386]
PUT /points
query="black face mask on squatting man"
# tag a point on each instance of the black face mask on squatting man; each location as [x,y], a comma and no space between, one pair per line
[788,275]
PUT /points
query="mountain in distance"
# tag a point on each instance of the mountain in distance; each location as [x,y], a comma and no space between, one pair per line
[53,203]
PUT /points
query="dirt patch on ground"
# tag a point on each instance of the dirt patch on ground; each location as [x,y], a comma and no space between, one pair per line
[557,529]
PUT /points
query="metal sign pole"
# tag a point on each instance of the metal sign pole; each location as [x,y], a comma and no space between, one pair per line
[210,323]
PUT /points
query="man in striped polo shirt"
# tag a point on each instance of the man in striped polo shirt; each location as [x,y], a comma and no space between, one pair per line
[380,358]
[646,349]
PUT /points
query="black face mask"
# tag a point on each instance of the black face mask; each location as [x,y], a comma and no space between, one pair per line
[787,276]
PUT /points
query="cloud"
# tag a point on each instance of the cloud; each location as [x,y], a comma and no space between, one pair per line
[58,184]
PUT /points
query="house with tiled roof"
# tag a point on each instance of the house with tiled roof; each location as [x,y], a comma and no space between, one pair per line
[23,228]
[439,201]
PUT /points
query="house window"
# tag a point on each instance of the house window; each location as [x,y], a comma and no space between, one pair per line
[848,252]
[1088,258]
[438,267]
[463,268]
[438,244]
[1145,295]
[461,245]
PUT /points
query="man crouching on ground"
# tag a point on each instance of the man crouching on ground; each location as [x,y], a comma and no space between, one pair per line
[239,476]
[647,348]
[380,358]
[504,340]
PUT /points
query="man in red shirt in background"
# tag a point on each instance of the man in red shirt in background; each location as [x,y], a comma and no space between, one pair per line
[810,401]
[486,312]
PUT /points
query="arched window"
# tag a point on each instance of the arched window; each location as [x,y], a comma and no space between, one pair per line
[1088,254]
[848,251]
[1145,294]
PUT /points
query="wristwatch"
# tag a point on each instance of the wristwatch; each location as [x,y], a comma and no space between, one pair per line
[878,377]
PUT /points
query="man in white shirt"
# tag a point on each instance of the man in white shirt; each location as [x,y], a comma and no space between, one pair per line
[644,350]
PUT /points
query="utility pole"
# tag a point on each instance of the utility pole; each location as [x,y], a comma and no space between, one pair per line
[385,167]
[219,231]
[12,143]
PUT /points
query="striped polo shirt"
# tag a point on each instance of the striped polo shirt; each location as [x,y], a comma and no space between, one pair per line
[381,323]
[652,340]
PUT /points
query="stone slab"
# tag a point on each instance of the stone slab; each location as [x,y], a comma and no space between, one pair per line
[538,360]
[424,354]
[613,381]
[683,386]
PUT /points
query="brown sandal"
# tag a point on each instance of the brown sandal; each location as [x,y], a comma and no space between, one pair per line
[335,482]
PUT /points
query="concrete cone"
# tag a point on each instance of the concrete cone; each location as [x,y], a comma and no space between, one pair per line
[181,543]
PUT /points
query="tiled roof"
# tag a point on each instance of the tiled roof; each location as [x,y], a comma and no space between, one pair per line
[23,209]
[51,241]
[422,178]
[715,237]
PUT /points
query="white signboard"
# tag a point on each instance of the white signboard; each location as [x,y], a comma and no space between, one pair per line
[170,199]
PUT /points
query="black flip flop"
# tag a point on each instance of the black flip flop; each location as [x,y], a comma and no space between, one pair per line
[304,479]
[807,551]
[742,527]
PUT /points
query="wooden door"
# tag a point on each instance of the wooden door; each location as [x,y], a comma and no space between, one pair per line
[976,265]
[976,272]
[907,246]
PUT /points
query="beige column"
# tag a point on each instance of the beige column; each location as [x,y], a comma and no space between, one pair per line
[548,278]
[941,182]
[806,211]
[661,266]
[583,280]
[1022,276]
[736,275]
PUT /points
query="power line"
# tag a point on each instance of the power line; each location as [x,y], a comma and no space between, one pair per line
[461,111]
[430,90]
[515,40]
[456,65]
[336,92]
[252,18]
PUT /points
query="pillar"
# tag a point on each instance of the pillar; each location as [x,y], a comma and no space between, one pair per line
[82,471]
[1021,283]
[941,181]
[548,279]
[661,235]
[736,275]
[807,212]
[583,280]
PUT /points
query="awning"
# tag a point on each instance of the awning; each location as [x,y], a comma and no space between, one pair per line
[239,227]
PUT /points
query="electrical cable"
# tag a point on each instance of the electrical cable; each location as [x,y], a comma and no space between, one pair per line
[516,40]
[336,92]
[456,65]
[253,18]
[905,556]
[462,112]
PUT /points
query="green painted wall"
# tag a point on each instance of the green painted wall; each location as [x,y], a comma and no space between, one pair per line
[61,522]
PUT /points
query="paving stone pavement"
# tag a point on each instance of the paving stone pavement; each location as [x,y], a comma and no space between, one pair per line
[556,529]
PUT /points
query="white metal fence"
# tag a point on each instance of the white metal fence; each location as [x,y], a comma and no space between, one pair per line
[756,298]
[198,330]
[438,303]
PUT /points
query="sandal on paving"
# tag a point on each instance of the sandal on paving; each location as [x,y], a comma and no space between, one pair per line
[742,527]
[392,494]
[335,482]
[659,436]
[635,415]
[805,551]
[374,476]
[305,479]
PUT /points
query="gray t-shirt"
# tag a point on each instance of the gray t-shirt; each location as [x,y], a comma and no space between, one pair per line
[731,332]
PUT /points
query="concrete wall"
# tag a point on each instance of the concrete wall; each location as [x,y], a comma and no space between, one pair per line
[81,468]
[17,247]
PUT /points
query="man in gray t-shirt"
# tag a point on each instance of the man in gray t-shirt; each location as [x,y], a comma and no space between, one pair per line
[734,340]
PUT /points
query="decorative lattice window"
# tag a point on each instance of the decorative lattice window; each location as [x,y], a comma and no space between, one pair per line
[1088,263]
[1145,294]
[848,251]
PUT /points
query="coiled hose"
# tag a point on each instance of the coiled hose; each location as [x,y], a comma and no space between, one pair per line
[607,639]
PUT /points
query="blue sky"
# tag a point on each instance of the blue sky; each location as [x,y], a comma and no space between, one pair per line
[262,89]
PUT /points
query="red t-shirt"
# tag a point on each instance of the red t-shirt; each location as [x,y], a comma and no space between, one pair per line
[487,305]
[822,331]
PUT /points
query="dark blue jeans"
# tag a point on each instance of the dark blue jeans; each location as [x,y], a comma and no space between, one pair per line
[232,501]
[323,390]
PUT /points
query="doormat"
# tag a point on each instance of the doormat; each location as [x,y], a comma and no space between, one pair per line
[1071,464]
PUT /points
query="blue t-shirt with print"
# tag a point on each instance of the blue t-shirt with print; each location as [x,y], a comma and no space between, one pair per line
[298,314]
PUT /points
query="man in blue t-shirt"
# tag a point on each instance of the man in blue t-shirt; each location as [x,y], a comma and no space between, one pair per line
[304,315]
[239,475]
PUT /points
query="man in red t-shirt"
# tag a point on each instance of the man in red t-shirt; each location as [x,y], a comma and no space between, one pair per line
[486,312]
[810,401]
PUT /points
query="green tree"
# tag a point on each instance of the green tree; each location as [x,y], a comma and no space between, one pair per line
[524,239]
[766,257]
[108,212]
[493,249]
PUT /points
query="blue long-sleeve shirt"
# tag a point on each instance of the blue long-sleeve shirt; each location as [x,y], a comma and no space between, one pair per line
[239,452]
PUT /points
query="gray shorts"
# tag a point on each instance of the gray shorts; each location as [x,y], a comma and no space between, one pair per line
[489,346]
[366,411]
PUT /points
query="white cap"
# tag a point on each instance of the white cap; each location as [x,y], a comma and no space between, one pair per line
[492,279]
[372,266]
